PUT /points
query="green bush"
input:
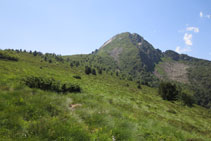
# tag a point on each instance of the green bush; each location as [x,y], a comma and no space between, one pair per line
[7,56]
[187,99]
[168,91]
[77,77]
[50,61]
[100,71]
[88,70]
[93,72]
[71,65]
[139,86]
[50,84]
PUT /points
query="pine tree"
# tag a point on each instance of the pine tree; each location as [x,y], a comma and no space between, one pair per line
[88,70]
[93,72]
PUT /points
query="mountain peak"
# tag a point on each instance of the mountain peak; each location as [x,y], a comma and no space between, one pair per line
[135,38]
[130,52]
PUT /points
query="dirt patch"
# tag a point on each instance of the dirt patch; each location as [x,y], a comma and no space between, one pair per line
[173,71]
[74,106]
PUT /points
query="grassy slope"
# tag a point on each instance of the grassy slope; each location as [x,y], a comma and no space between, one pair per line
[193,72]
[109,108]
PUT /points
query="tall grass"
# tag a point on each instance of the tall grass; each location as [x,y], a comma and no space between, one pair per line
[106,109]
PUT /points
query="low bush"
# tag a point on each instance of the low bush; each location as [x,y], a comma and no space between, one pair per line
[100,71]
[7,56]
[77,77]
[88,70]
[187,99]
[93,72]
[139,86]
[50,84]
[168,91]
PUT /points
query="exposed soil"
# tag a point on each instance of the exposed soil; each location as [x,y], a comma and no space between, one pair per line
[174,71]
[73,106]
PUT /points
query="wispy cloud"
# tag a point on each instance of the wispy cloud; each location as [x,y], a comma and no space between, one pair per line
[188,39]
[194,29]
[190,28]
[208,16]
[182,50]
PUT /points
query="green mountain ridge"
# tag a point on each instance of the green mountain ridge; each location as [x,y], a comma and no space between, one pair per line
[138,60]
[133,58]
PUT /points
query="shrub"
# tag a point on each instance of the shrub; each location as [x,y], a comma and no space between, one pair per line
[77,64]
[130,79]
[50,61]
[139,86]
[77,77]
[7,56]
[71,65]
[143,82]
[73,88]
[100,71]
[45,58]
[50,84]
[168,91]
[35,53]
[70,88]
[187,99]
[88,70]
[93,72]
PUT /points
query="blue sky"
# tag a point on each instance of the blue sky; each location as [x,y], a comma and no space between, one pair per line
[73,27]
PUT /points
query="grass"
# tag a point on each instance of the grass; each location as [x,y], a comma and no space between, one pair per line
[109,108]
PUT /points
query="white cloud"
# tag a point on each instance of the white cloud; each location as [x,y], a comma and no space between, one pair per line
[182,50]
[188,39]
[194,29]
[205,16]
[201,14]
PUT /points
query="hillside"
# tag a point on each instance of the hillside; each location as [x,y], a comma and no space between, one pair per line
[107,107]
[190,71]
[131,57]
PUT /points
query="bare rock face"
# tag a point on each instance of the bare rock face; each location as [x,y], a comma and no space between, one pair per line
[175,71]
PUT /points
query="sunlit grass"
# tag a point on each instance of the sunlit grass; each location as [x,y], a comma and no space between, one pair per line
[109,108]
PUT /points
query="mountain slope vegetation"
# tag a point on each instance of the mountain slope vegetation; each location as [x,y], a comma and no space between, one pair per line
[108,107]
[190,71]
[132,58]
[133,55]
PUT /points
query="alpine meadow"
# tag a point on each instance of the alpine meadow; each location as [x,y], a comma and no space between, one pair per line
[126,89]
